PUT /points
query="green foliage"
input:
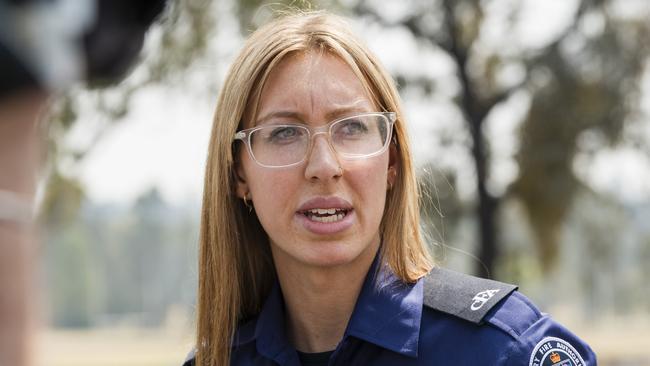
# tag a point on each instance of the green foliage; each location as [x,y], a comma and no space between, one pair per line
[112,264]
[63,198]
[185,37]
[252,13]
[72,290]
[174,45]
[590,90]
[581,83]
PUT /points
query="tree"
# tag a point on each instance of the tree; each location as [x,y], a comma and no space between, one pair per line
[572,91]
[173,46]
[582,83]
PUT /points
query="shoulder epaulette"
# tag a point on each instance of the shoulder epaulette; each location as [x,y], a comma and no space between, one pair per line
[464,296]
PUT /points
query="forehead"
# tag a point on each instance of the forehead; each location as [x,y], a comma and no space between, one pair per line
[314,85]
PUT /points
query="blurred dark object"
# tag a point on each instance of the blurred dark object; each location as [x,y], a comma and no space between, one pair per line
[116,37]
[14,75]
[53,44]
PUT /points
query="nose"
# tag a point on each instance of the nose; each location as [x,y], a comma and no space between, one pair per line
[322,161]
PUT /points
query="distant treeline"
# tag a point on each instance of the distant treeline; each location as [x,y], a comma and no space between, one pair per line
[118,265]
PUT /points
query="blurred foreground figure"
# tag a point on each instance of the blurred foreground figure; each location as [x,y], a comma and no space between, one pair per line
[45,47]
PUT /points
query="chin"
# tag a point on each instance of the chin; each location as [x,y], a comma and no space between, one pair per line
[333,255]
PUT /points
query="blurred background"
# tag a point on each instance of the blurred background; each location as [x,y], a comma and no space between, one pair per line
[530,122]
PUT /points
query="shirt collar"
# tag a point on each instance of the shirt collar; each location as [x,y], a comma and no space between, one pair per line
[267,329]
[387,313]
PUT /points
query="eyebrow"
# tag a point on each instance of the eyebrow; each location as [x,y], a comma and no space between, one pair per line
[279,114]
[331,115]
[340,112]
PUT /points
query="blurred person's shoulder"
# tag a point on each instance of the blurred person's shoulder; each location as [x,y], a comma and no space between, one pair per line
[494,322]
[190,358]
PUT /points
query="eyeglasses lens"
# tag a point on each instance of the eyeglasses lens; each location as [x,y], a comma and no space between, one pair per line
[354,137]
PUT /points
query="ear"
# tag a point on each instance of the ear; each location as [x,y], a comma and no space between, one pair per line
[240,176]
[393,164]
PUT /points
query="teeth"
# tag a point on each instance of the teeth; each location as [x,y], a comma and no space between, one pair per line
[323,211]
[326,219]
[326,214]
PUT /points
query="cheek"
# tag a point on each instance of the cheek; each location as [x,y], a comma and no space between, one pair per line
[261,181]
[273,193]
[272,189]
[369,181]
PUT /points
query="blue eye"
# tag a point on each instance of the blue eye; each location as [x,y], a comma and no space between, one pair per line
[351,128]
[285,134]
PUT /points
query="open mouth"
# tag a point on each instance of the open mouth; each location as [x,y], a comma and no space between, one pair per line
[326,215]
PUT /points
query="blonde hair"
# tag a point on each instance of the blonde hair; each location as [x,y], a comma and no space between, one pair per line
[235,266]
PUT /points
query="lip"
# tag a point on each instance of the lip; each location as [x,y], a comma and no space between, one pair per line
[325,202]
[326,228]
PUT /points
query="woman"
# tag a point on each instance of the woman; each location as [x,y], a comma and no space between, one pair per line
[310,246]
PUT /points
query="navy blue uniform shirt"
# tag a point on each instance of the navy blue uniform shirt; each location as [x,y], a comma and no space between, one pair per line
[440,320]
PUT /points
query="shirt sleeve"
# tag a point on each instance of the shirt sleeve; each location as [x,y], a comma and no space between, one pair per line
[547,343]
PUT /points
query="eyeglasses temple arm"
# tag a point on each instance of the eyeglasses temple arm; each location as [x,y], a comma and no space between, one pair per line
[240,135]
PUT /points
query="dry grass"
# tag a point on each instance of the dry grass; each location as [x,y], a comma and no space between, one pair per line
[618,343]
[113,347]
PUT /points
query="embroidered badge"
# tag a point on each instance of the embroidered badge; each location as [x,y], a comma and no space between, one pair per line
[481,298]
[552,351]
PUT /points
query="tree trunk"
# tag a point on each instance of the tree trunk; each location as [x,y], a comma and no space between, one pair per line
[475,112]
[487,206]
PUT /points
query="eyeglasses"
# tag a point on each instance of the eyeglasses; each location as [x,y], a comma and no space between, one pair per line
[283,145]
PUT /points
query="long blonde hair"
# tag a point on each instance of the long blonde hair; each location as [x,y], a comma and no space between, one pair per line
[235,266]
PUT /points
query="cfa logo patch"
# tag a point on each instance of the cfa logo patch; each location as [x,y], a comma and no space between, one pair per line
[552,351]
[481,298]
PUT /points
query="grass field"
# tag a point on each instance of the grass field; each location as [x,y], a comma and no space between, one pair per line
[113,347]
[617,344]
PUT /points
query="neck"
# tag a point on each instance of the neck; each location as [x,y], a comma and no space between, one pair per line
[319,301]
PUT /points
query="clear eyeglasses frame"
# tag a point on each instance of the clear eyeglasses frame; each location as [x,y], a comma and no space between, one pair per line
[358,136]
